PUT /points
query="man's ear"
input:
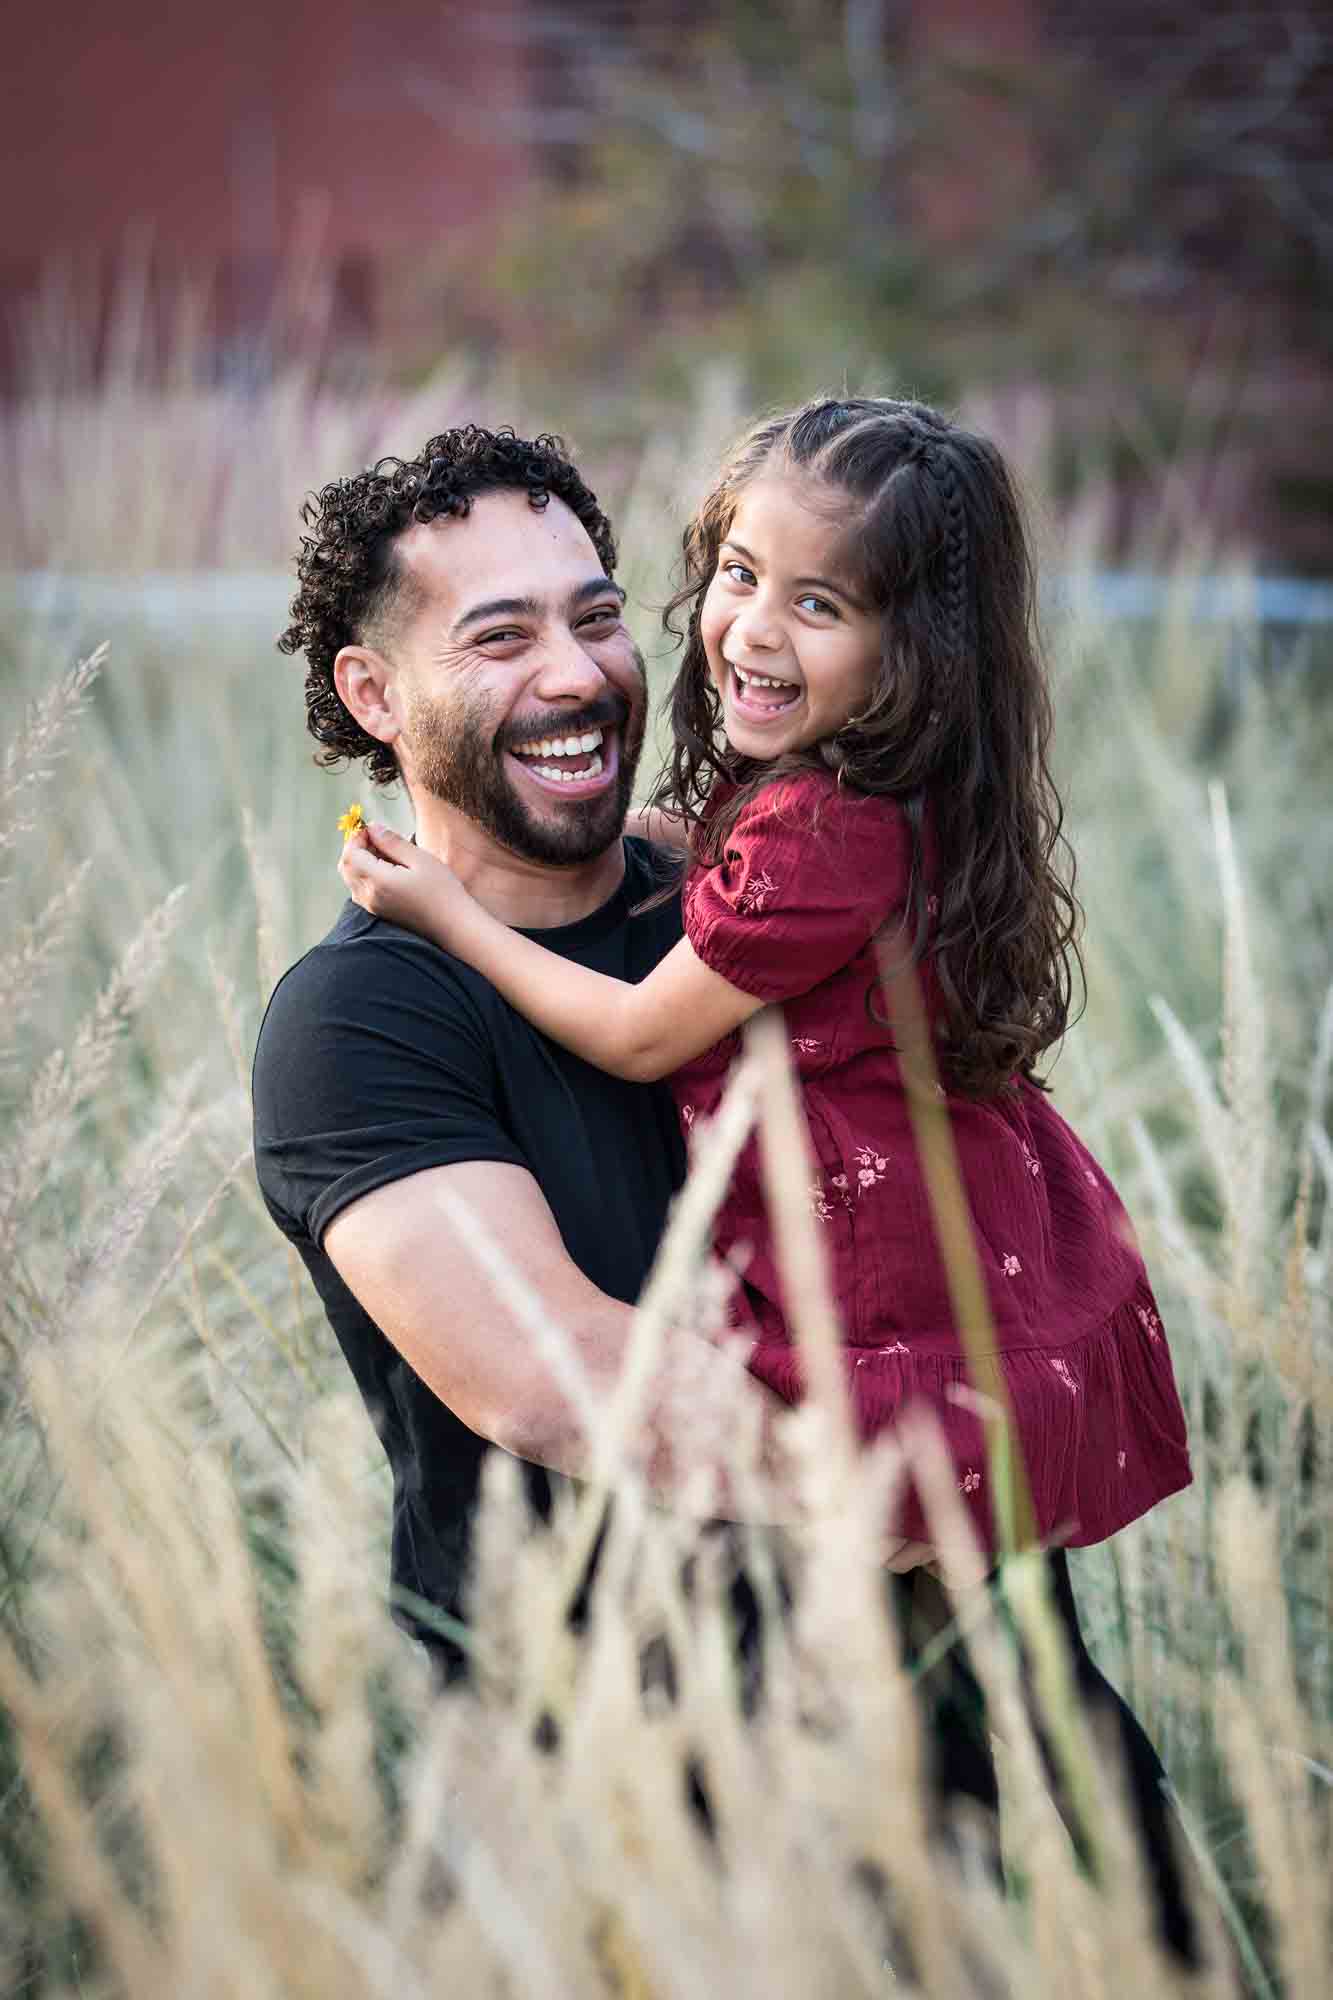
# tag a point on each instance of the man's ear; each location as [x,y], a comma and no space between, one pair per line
[366,688]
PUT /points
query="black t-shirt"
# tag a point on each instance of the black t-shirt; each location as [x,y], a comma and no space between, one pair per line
[380,1056]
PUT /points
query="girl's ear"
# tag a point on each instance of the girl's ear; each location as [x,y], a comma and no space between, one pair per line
[366,689]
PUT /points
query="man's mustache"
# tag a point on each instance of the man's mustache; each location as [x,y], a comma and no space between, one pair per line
[613,712]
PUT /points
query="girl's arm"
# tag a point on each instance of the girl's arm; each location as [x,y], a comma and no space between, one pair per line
[663,829]
[640,1032]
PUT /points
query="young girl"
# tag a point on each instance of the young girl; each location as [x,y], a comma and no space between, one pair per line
[861,724]
[861,728]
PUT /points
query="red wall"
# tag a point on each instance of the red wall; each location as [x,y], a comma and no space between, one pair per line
[216,126]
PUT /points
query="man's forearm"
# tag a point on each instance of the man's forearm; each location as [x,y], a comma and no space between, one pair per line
[463,1270]
[663,1436]
[663,829]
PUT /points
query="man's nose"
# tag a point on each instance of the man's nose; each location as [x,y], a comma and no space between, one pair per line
[568,669]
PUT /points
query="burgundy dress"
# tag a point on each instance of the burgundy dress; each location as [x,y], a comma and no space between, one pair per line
[810,874]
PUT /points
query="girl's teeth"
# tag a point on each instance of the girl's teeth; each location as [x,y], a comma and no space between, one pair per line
[758,680]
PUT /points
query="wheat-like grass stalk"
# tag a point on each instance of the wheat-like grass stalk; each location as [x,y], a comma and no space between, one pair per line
[69,1077]
[30,756]
[30,961]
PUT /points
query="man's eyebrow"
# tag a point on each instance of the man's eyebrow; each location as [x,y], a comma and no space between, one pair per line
[532,607]
[497,607]
[828,583]
[595,587]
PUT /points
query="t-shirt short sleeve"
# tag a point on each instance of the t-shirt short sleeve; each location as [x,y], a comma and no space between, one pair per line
[809,874]
[371,1065]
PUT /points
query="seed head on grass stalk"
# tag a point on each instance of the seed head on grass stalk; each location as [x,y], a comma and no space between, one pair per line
[66,1081]
[30,758]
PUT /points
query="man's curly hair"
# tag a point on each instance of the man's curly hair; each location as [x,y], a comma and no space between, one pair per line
[351,586]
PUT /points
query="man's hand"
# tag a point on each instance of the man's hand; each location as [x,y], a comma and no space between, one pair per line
[904,1556]
[478,1320]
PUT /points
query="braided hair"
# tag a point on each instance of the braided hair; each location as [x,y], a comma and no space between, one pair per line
[958,720]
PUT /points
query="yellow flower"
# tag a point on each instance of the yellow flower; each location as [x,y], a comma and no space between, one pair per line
[351,822]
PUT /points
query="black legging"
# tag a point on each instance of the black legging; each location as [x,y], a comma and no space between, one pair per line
[962,1767]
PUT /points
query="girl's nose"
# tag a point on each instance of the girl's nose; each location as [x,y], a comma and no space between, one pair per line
[757,629]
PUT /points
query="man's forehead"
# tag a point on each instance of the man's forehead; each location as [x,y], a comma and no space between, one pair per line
[503,546]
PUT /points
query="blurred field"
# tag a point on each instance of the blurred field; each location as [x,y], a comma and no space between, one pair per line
[220,1772]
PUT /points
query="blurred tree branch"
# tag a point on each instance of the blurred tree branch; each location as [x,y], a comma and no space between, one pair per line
[827,191]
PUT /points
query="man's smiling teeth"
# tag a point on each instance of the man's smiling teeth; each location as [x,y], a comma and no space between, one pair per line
[759,680]
[561,746]
[593,769]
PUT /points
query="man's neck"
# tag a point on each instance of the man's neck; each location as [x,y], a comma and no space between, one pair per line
[529,895]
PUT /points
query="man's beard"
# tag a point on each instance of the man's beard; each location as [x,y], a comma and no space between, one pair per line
[458,756]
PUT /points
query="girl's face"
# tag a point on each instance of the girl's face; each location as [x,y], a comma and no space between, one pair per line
[793,650]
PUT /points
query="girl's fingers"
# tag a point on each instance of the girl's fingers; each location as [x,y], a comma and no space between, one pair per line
[365,864]
[390,843]
[362,850]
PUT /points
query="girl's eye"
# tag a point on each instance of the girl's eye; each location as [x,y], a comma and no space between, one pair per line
[738,572]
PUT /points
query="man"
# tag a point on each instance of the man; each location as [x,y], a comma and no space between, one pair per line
[464,632]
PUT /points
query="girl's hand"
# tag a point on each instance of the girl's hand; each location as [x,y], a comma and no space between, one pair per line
[391,878]
[902,1556]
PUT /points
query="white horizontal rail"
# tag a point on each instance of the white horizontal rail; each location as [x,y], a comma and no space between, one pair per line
[171,599]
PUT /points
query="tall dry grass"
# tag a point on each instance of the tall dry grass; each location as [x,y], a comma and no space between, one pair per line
[223,1771]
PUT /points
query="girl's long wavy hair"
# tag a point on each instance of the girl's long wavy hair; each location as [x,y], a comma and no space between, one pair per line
[959,719]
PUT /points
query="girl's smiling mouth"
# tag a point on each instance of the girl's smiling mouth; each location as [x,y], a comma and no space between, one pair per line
[761,697]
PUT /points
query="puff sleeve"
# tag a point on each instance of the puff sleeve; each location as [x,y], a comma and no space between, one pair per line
[809,874]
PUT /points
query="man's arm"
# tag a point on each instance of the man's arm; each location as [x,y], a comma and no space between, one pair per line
[405,1252]
[660,828]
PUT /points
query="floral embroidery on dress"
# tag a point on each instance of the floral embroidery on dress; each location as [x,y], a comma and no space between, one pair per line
[820,1205]
[1010,1265]
[826,1200]
[1061,1368]
[970,1480]
[830,1192]
[755,894]
[1150,1323]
